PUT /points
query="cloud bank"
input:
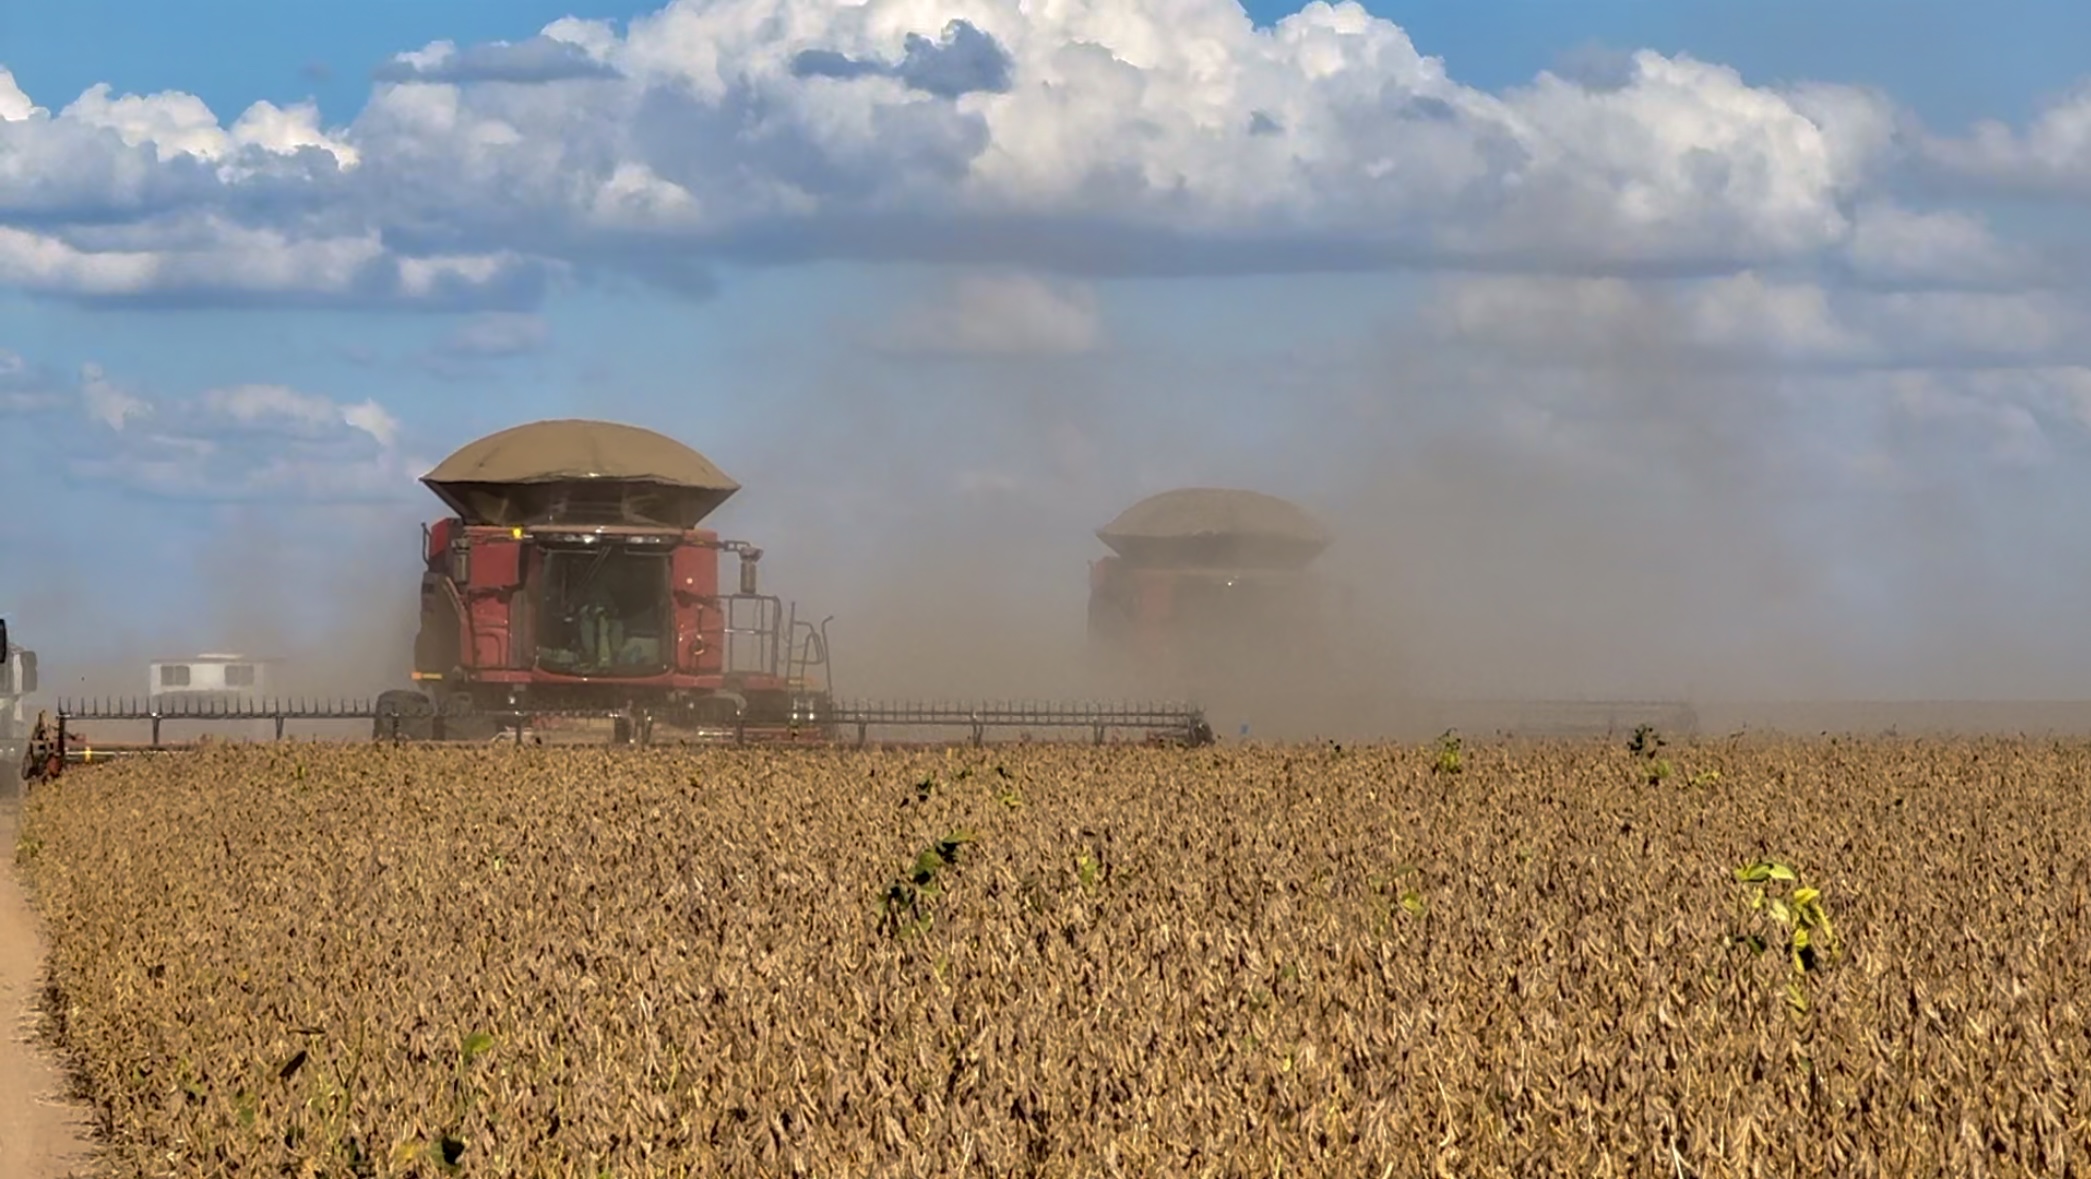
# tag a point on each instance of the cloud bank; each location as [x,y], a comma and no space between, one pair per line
[1089,138]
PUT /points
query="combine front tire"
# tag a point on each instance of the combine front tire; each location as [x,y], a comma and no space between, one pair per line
[405,715]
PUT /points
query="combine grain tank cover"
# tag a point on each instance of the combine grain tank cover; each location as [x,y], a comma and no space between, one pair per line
[1215,527]
[579,472]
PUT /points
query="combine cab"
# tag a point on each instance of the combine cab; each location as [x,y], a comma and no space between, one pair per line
[574,581]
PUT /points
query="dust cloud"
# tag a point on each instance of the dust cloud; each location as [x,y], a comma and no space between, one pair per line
[325,593]
[1547,503]
[1553,503]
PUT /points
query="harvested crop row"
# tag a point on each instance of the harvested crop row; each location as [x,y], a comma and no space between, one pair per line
[1037,961]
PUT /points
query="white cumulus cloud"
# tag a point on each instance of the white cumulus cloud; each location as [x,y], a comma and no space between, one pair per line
[106,403]
[175,124]
[1762,374]
[1139,136]
[1945,247]
[2051,154]
[307,414]
[14,104]
[246,441]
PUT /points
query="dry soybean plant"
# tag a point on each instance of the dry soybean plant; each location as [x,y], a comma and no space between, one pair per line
[1041,961]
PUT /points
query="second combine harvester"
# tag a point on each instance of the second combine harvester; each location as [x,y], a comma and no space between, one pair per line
[575,578]
[1210,591]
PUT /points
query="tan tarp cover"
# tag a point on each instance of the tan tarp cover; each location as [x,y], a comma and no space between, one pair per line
[574,448]
[534,472]
[1216,525]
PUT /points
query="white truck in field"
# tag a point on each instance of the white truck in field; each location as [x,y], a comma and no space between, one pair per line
[17,683]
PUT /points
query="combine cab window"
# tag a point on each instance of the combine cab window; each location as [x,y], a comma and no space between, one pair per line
[604,612]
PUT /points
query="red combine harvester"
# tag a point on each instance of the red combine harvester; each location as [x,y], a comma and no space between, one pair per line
[574,580]
[1209,588]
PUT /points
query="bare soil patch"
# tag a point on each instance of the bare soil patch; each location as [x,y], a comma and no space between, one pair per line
[42,1135]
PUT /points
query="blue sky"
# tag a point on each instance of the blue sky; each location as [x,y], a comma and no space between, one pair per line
[1814,326]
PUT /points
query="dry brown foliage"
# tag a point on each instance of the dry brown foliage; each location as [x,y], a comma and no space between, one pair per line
[1146,962]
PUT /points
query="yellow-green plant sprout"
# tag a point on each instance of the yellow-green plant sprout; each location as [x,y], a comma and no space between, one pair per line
[1086,869]
[1450,755]
[1801,922]
[907,899]
[1400,888]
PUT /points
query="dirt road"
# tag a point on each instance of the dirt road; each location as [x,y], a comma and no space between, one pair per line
[41,1135]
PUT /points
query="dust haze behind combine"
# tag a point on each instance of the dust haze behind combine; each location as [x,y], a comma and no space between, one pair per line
[330,591]
[1544,501]
[1552,501]
[1608,506]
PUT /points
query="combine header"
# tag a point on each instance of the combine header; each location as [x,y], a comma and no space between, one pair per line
[1161,723]
[574,594]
